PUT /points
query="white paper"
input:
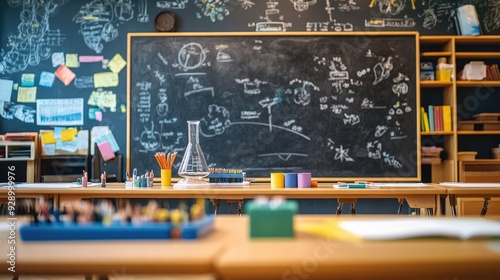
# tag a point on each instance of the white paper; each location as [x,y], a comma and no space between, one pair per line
[388,229]
[48,185]
[63,112]
[5,89]
[470,185]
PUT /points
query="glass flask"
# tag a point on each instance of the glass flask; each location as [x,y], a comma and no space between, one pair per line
[193,166]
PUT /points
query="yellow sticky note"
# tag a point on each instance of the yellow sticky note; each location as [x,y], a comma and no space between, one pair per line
[67,135]
[26,94]
[117,63]
[72,60]
[105,79]
[48,137]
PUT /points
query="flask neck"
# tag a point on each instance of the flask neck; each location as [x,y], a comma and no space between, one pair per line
[193,131]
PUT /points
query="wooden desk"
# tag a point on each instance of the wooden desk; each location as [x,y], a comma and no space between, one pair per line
[309,257]
[417,197]
[120,258]
[480,170]
[457,190]
[228,253]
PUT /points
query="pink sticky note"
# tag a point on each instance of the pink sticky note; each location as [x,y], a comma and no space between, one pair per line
[98,116]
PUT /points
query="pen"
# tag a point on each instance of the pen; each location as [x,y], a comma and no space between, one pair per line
[134,174]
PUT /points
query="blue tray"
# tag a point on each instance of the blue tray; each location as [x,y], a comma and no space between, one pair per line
[115,231]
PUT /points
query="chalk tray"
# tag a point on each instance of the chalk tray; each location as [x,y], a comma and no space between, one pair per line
[116,231]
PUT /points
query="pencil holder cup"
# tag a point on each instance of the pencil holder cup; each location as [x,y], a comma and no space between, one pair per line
[304,180]
[149,182]
[166,178]
[277,180]
[290,180]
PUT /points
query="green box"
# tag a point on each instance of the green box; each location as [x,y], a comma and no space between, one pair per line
[271,220]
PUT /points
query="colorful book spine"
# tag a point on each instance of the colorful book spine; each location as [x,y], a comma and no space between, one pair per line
[431,117]
[447,123]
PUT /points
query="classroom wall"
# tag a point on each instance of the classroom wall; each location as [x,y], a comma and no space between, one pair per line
[33,34]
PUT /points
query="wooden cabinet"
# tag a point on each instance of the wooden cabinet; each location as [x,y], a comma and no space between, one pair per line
[466,99]
[20,151]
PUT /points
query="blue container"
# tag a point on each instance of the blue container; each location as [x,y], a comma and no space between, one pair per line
[290,180]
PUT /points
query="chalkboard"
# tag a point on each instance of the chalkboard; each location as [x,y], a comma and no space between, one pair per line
[339,105]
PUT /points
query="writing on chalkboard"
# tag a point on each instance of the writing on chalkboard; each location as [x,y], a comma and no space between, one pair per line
[339,106]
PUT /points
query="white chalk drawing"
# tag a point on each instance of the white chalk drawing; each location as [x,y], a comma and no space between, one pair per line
[160,76]
[171,4]
[369,53]
[163,59]
[380,130]
[283,156]
[216,121]
[391,161]
[193,83]
[430,16]
[249,115]
[269,103]
[351,119]
[150,139]
[342,154]
[96,24]
[368,104]
[400,86]
[302,91]
[246,4]
[302,5]
[99,21]
[124,10]
[222,55]
[214,9]
[144,102]
[273,19]
[363,72]
[332,24]
[391,7]
[250,87]
[382,70]
[191,56]
[34,39]
[492,19]
[374,149]
[162,107]
[142,14]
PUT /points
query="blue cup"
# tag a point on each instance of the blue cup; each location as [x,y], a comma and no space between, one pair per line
[290,180]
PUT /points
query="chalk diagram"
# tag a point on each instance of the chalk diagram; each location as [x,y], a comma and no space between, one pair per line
[99,20]
[332,24]
[246,4]
[273,20]
[171,4]
[162,107]
[382,70]
[302,5]
[150,139]
[142,15]
[34,39]
[341,154]
[430,17]
[392,7]
[492,18]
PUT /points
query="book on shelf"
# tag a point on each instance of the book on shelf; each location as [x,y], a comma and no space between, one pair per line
[468,20]
[447,123]
[431,117]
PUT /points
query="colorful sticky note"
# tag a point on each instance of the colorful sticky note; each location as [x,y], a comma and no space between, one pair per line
[90,58]
[26,94]
[72,60]
[46,79]
[48,137]
[57,59]
[65,74]
[27,80]
[92,112]
[105,79]
[67,135]
[117,63]
[98,116]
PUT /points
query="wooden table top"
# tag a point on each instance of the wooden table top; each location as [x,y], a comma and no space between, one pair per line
[471,189]
[230,254]
[324,190]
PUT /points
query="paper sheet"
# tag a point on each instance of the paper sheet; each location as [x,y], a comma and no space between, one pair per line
[470,185]
[5,89]
[105,79]
[26,94]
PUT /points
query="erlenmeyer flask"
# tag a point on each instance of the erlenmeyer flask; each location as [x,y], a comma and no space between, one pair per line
[193,166]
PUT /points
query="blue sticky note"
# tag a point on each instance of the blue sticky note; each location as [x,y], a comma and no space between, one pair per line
[47,79]
[28,80]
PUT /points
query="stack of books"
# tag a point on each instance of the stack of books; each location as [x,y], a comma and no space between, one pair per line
[431,155]
[437,118]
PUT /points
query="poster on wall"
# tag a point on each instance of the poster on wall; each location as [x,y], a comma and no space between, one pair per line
[62,112]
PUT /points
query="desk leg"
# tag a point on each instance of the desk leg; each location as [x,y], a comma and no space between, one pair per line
[453,205]
[429,212]
[339,208]
[240,208]
[400,207]
[485,206]
[216,204]
[353,208]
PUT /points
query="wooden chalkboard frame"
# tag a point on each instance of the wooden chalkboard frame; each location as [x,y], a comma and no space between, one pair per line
[411,35]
